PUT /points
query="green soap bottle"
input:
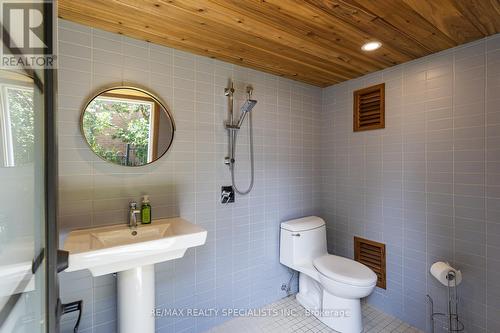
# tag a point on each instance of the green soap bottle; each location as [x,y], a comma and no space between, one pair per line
[145,210]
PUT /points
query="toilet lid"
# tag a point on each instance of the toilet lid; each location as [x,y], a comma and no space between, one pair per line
[345,270]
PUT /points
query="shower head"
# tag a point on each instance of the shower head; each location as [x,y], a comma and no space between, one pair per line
[247,107]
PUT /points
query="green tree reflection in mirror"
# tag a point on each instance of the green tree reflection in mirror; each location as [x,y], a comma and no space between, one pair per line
[118,129]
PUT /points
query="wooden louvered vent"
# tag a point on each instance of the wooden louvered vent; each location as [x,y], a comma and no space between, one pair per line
[369,108]
[371,254]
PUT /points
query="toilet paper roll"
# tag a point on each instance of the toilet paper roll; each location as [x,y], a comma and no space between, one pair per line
[440,271]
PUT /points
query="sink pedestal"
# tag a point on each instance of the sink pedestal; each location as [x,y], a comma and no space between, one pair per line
[136,300]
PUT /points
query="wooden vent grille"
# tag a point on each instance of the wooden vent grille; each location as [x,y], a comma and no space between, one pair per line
[369,108]
[371,254]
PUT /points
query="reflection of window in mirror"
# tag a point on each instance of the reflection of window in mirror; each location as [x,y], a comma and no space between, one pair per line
[125,126]
[16,119]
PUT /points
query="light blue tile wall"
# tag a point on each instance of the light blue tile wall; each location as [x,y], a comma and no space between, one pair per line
[428,185]
[239,264]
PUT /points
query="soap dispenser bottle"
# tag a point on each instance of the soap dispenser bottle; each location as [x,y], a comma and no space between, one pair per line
[145,210]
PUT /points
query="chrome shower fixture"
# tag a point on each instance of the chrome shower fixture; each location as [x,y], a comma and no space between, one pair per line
[247,107]
[233,127]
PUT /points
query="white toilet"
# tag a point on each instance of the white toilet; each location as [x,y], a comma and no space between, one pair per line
[329,286]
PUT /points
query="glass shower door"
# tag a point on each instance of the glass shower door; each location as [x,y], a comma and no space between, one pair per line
[22,205]
[28,238]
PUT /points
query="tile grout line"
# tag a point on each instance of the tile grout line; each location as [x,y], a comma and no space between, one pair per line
[485,192]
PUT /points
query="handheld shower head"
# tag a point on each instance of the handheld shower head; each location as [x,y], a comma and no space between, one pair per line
[247,107]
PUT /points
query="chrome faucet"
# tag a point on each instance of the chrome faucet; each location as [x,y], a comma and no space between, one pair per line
[132,214]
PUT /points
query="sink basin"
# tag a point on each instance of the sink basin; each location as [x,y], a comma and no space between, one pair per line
[117,248]
[123,236]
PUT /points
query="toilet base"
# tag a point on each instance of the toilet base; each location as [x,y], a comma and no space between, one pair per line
[341,314]
[310,293]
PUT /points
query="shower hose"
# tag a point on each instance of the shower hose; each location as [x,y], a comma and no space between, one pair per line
[235,135]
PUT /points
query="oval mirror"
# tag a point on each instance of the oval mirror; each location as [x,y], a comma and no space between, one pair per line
[127,126]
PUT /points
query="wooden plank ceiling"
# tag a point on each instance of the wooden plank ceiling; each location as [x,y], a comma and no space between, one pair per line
[314,41]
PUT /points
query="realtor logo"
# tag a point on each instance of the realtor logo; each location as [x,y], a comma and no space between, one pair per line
[23,39]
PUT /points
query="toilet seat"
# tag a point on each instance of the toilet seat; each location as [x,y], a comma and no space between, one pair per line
[345,271]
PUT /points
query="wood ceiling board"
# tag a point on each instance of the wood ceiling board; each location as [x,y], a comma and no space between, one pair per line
[445,16]
[192,39]
[192,46]
[341,27]
[369,25]
[406,21]
[220,25]
[484,14]
[186,37]
[314,41]
[244,16]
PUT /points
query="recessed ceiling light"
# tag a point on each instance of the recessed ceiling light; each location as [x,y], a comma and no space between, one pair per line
[371,46]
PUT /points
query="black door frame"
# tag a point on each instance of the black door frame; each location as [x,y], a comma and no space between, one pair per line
[51,176]
[51,186]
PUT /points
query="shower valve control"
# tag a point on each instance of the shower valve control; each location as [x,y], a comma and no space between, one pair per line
[227,194]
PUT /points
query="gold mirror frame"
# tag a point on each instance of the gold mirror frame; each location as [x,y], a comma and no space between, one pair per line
[139,89]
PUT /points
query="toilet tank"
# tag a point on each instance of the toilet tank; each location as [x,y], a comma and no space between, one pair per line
[302,240]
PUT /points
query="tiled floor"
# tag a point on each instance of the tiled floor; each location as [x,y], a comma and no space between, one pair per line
[374,321]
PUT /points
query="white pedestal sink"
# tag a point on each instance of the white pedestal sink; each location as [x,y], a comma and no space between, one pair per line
[132,254]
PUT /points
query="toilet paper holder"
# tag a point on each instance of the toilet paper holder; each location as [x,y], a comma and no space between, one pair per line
[451,320]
